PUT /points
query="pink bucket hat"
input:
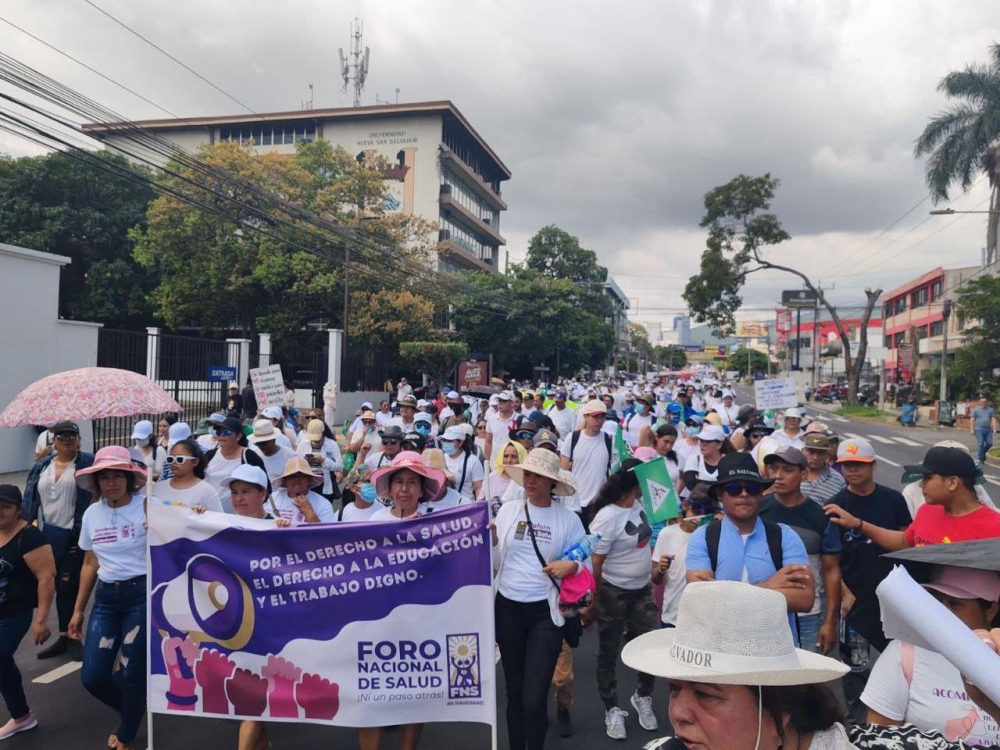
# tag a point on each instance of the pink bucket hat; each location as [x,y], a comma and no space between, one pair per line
[433,479]
[112,457]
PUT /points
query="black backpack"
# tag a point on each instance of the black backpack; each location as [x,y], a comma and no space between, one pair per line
[713,533]
[575,438]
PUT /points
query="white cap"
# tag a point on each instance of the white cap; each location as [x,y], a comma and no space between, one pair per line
[367,405]
[178,431]
[142,430]
[246,473]
[455,432]
[505,396]
[794,412]
[421,403]
[453,396]
[711,432]
[272,412]
[216,416]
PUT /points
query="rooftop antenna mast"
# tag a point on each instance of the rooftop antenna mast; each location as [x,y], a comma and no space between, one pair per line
[355,71]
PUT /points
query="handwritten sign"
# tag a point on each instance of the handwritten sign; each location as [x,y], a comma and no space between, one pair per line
[775,393]
[268,386]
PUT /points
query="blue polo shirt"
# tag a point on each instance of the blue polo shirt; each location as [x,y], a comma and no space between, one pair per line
[754,556]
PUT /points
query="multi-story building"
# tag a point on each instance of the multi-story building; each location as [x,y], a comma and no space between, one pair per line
[682,324]
[818,346]
[440,168]
[619,317]
[914,316]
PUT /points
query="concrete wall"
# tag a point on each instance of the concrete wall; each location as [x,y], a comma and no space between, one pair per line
[34,342]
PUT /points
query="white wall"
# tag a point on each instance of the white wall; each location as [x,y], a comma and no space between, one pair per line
[34,342]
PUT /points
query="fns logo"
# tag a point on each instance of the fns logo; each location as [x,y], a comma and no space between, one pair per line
[463,666]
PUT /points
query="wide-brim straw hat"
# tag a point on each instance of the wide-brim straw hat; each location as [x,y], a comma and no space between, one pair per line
[297,465]
[730,633]
[113,457]
[433,479]
[544,463]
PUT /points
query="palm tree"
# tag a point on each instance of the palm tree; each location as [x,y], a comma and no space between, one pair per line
[964,140]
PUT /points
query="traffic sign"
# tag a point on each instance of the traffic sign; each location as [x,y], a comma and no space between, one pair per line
[799,298]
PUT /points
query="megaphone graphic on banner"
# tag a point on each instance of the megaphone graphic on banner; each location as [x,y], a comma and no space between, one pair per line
[207,602]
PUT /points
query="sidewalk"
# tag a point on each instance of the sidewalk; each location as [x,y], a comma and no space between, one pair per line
[890,416]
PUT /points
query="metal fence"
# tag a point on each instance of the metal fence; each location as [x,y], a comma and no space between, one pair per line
[179,364]
[303,357]
[366,368]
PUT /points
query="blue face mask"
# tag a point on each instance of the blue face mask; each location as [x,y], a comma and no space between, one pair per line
[692,430]
[368,493]
[423,428]
[449,448]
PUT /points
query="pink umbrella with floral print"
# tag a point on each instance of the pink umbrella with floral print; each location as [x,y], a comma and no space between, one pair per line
[87,393]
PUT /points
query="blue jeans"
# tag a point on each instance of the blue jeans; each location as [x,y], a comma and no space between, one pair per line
[118,621]
[12,630]
[984,441]
[809,630]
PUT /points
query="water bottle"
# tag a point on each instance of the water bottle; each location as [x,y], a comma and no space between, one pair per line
[582,549]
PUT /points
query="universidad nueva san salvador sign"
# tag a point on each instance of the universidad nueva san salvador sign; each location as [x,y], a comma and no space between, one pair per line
[355,624]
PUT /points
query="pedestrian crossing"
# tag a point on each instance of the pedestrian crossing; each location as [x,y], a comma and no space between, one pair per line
[884,440]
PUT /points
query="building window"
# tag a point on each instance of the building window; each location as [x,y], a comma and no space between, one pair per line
[937,328]
[920,298]
[269,134]
[901,305]
[888,342]
[897,339]
[936,290]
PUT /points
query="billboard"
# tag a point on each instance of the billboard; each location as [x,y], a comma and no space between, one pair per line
[752,329]
[799,298]
[474,372]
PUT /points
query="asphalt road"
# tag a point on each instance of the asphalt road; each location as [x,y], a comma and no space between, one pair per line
[70,718]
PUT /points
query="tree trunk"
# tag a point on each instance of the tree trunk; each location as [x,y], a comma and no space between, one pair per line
[992,219]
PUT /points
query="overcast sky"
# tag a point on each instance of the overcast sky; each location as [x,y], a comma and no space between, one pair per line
[615,118]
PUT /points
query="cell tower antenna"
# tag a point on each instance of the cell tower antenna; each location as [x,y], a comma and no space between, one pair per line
[354,71]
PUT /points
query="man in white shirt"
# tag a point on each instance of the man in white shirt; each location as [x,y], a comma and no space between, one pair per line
[499,425]
[790,432]
[404,390]
[562,416]
[586,454]
[728,411]
[264,441]
[528,403]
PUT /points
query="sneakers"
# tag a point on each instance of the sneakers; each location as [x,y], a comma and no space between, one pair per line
[614,720]
[563,726]
[643,705]
[13,727]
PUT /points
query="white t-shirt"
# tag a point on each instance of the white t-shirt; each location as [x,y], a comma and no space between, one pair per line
[384,513]
[332,462]
[404,426]
[473,472]
[497,485]
[287,510]
[202,494]
[44,441]
[500,429]
[625,535]
[684,451]
[589,467]
[450,500]
[353,514]
[696,462]
[673,540]
[383,418]
[728,416]
[117,536]
[563,419]
[634,425]
[207,442]
[274,465]
[220,468]
[935,700]
[521,578]
[782,438]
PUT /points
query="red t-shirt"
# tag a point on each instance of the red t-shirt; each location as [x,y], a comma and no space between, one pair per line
[933,526]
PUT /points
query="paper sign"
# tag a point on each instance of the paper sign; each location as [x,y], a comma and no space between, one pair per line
[268,386]
[657,490]
[775,393]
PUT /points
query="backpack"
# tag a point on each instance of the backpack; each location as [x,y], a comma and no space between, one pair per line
[575,438]
[713,533]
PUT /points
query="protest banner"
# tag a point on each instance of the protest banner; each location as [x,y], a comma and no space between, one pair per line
[355,624]
[268,386]
[621,451]
[775,393]
[658,492]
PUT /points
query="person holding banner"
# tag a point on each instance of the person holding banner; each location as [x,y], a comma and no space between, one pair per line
[530,536]
[113,535]
[624,601]
[293,498]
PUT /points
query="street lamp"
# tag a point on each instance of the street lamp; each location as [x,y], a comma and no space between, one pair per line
[943,395]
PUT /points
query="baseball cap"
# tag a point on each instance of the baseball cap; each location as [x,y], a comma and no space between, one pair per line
[142,430]
[855,449]
[65,426]
[594,407]
[545,437]
[560,395]
[272,412]
[965,583]
[423,403]
[10,494]
[505,396]
[367,405]
[817,441]
[789,454]
[948,462]
[454,433]
[246,473]
[711,433]
[453,396]
[182,431]
[422,416]
[315,429]
[793,412]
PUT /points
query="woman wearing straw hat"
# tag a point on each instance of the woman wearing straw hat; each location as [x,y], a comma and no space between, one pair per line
[530,536]
[293,498]
[113,534]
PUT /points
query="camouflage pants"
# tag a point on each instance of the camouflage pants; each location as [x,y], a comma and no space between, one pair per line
[621,612]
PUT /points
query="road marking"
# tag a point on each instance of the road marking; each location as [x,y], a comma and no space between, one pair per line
[884,460]
[840,419]
[991,479]
[880,439]
[907,441]
[58,672]
[852,436]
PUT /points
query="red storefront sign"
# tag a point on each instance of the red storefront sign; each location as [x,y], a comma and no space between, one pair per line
[474,372]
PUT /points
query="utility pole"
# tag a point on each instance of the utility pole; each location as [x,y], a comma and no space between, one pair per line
[815,342]
[943,395]
[347,306]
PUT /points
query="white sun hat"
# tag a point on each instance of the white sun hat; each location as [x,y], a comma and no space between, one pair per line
[730,633]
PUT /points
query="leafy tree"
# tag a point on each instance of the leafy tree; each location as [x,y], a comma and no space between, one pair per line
[437,359]
[737,361]
[670,357]
[388,316]
[964,140]
[979,354]
[741,228]
[556,253]
[58,204]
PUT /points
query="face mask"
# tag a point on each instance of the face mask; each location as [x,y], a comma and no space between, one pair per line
[423,428]
[449,448]
[692,431]
[368,493]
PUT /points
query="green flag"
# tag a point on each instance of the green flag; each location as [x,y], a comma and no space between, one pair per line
[621,450]
[657,490]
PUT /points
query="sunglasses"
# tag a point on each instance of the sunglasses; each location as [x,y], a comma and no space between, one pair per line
[390,441]
[222,432]
[757,434]
[66,436]
[524,435]
[181,459]
[481,429]
[737,488]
